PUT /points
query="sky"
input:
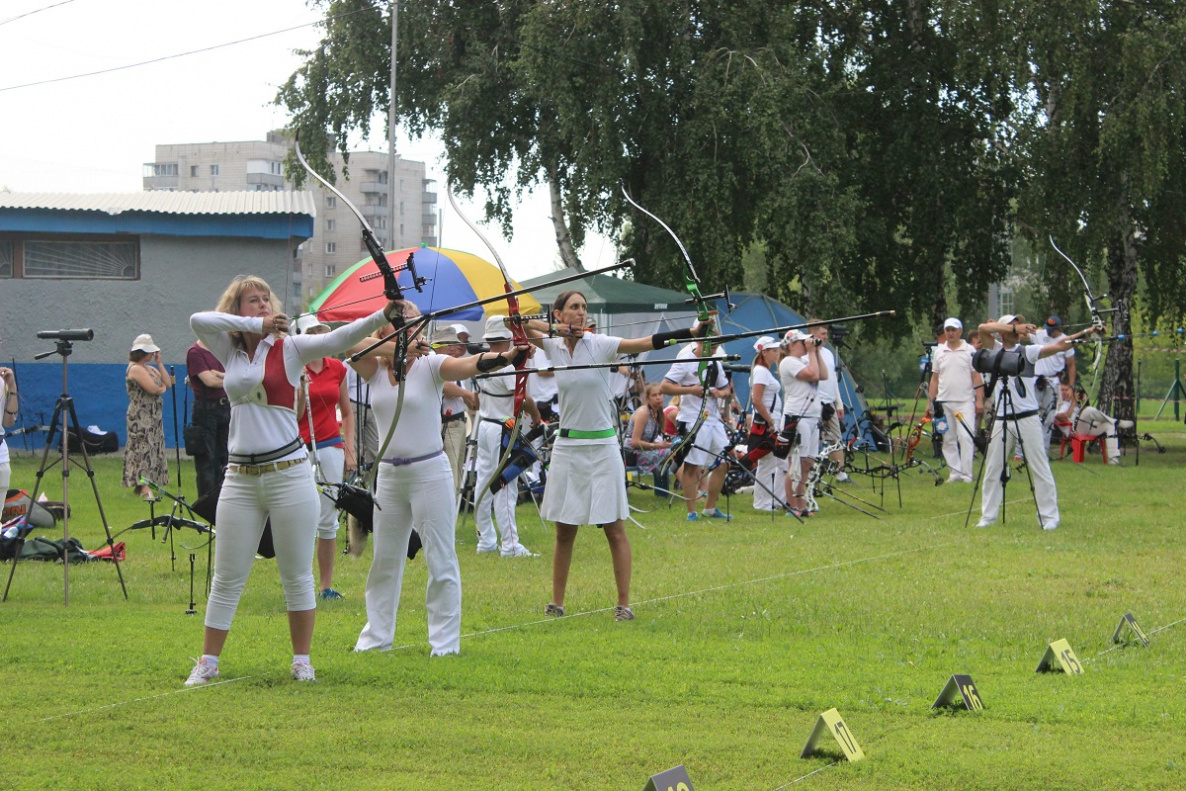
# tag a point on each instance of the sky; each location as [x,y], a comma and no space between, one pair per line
[94,133]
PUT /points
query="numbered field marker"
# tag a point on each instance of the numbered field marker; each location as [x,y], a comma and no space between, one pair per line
[831,722]
[963,686]
[1132,625]
[675,779]
[1060,651]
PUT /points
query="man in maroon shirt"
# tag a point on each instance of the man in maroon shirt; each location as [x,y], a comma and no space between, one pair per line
[210,422]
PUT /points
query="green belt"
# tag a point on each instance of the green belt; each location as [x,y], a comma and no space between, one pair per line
[576,433]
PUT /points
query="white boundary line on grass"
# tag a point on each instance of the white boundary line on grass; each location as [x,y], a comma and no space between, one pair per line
[138,700]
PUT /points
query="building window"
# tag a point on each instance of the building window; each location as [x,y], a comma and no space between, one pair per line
[331,270]
[331,225]
[276,168]
[331,201]
[70,259]
[214,170]
[331,247]
[193,171]
[382,176]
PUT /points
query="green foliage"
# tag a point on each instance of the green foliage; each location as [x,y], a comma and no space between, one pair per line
[745,633]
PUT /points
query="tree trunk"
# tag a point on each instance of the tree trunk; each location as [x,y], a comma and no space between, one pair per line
[1116,396]
[563,239]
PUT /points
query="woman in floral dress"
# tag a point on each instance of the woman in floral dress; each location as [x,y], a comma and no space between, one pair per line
[144,454]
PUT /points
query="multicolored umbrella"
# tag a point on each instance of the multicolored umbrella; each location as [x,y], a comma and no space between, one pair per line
[454,278]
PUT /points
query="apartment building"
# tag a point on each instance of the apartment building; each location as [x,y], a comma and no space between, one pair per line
[336,244]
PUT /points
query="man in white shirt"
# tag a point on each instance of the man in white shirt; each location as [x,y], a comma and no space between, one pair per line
[456,400]
[495,406]
[958,390]
[1051,371]
[1017,420]
[710,440]
[1087,421]
[831,424]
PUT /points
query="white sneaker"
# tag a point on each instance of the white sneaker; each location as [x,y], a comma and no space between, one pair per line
[984,523]
[203,672]
[486,550]
[519,551]
[842,477]
[1124,424]
[303,671]
[1051,526]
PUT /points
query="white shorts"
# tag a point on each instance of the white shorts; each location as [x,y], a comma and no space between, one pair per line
[808,437]
[708,444]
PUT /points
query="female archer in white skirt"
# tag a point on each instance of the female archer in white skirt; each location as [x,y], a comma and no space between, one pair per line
[587,478]
[415,487]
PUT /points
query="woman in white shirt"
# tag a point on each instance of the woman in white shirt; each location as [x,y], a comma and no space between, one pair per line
[415,488]
[766,395]
[587,478]
[266,477]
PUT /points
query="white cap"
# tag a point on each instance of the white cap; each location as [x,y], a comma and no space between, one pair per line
[496,329]
[460,329]
[445,336]
[143,343]
[764,343]
[795,335]
[309,321]
[1007,319]
[953,322]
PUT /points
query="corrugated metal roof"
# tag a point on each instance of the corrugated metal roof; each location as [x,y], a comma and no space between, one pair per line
[164,202]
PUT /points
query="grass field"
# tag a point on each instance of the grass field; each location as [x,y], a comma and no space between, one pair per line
[745,633]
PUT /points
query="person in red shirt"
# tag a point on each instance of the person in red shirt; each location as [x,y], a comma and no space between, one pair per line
[335,445]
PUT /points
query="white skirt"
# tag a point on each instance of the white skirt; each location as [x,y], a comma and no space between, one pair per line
[586,485]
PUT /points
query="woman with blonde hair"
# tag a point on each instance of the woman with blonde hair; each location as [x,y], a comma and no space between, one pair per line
[266,477]
[647,439]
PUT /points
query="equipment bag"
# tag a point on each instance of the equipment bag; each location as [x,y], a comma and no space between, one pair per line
[105,442]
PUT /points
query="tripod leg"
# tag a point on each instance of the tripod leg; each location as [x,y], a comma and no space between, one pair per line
[90,472]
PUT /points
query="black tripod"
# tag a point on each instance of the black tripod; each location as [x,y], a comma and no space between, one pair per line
[62,409]
[1004,416]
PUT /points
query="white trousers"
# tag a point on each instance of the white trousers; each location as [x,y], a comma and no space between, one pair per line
[1029,429]
[333,465]
[1093,422]
[958,448]
[5,478]
[498,508]
[419,496]
[770,473]
[290,499]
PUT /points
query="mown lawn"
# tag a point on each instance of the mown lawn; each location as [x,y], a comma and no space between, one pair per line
[745,633]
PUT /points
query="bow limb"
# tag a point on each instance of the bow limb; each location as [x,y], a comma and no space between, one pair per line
[704,315]
[1097,318]
[518,336]
[391,291]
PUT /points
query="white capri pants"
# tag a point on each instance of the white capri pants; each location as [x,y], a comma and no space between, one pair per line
[333,467]
[771,474]
[420,496]
[244,505]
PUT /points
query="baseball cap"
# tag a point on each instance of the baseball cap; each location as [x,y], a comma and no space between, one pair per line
[764,343]
[1054,321]
[795,335]
[1008,318]
[496,329]
[953,322]
[143,343]
[460,329]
